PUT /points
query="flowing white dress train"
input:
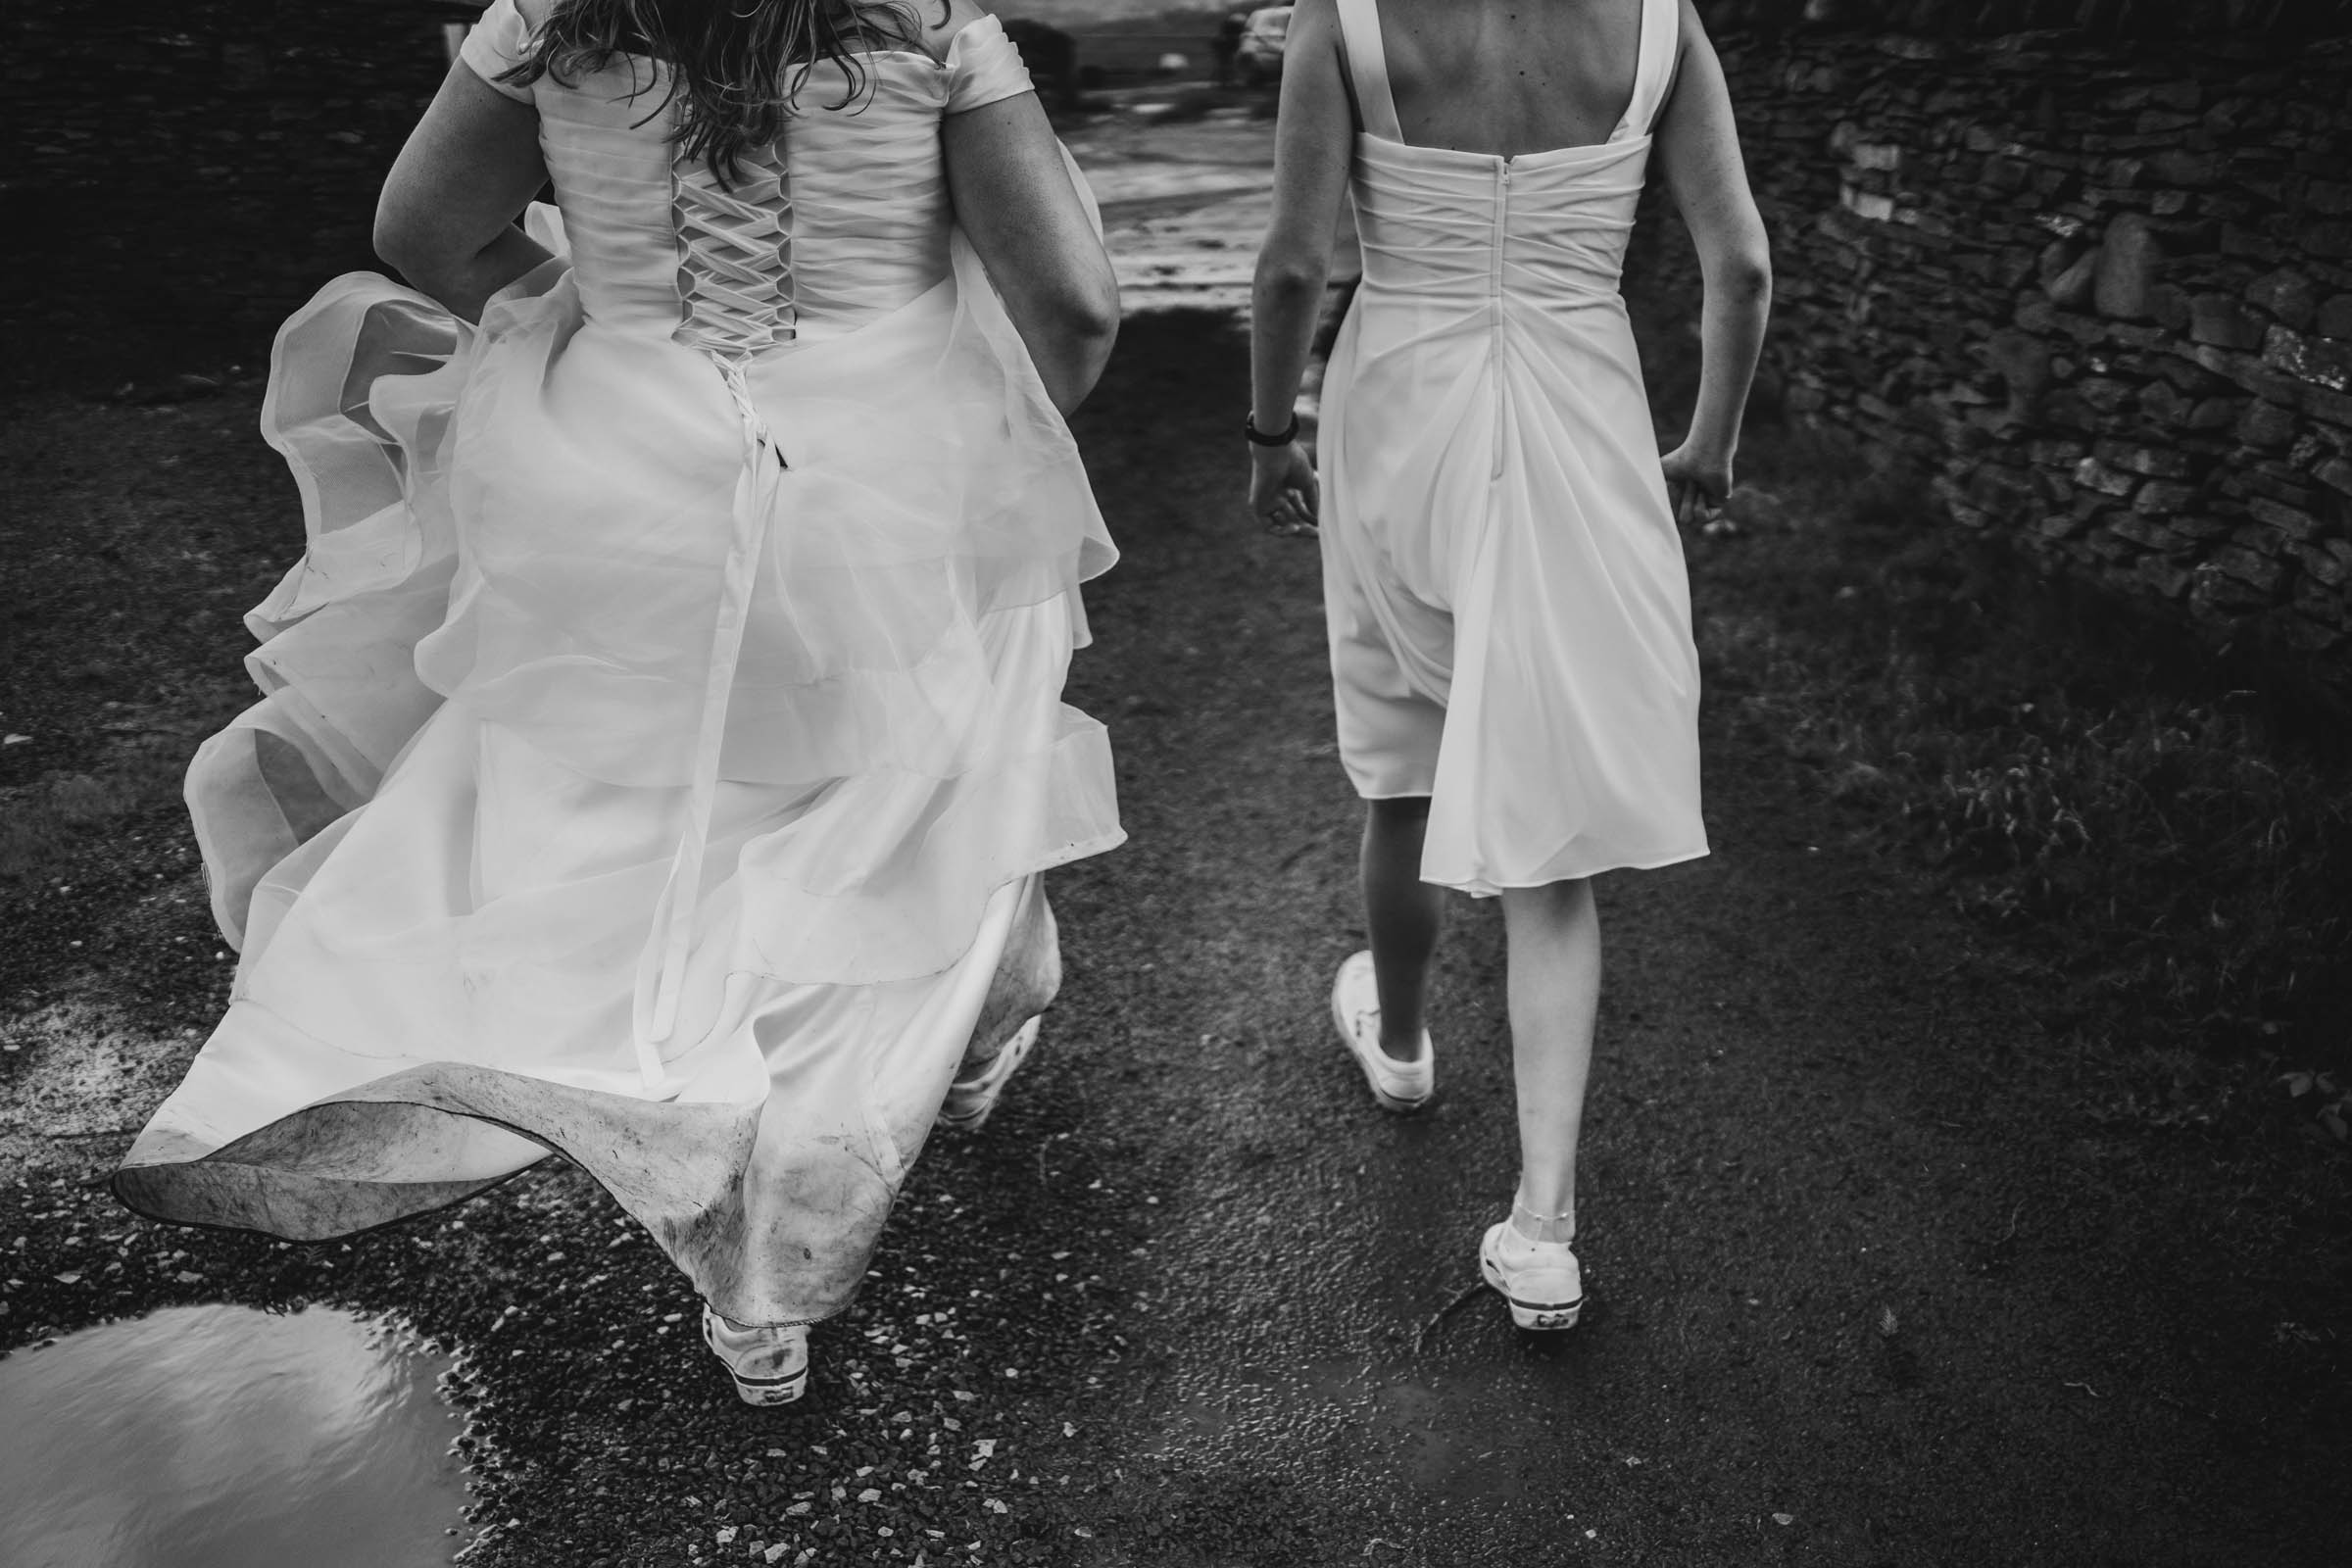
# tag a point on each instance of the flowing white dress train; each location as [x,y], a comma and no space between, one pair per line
[661,735]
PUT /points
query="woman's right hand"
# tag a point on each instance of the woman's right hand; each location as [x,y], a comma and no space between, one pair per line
[1283,491]
[1696,483]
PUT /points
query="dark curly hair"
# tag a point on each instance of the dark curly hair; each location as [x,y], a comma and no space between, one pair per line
[736,66]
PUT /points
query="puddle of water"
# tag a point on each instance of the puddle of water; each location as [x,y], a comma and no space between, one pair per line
[220,1437]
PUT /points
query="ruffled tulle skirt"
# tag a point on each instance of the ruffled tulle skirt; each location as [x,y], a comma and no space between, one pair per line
[655,764]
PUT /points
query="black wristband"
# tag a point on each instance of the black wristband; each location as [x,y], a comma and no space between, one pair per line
[1257,437]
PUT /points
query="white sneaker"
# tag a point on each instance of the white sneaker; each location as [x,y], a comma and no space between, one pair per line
[1398,1086]
[770,1366]
[970,1101]
[1540,1279]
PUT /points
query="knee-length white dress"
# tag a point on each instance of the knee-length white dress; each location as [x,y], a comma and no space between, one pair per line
[1509,613]
[663,732]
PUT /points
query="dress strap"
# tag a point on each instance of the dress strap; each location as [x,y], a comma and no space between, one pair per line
[1368,67]
[1653,67]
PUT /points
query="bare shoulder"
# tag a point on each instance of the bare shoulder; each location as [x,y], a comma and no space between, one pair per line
[1315,25]
[1690,34]
[1694,63]
[1323,15]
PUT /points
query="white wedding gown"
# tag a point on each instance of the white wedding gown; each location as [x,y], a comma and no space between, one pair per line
[1509,615]
[663,732]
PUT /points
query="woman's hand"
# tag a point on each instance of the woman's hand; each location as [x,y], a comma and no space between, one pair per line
[1282,489]
[1696,483]
[1312,138]
[1698,152]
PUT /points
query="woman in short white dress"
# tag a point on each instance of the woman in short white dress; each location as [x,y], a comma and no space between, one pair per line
[1509,615]
[663,733]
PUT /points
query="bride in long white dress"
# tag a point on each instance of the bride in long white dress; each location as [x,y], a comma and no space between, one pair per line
[661,735]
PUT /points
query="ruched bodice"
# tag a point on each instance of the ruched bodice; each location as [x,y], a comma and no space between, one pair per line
[1510,623]
[844,217]
[1451,228]
[1548,228]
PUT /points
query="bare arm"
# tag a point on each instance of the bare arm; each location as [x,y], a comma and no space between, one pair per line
[1013,194]
[446,220]
[1312,148]
[1699,149]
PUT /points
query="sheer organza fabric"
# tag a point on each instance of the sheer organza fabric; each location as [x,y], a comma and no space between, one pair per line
[562,630]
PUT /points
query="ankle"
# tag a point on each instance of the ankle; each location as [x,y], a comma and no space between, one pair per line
[1548,1225]
[1402,1048]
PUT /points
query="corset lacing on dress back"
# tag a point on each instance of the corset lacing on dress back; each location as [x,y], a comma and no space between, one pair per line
[735,283]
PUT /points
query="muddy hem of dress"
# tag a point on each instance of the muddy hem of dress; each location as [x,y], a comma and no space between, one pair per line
[126,1185]
[139,1188]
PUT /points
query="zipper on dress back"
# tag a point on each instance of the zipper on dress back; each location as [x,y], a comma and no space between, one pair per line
[1495,243]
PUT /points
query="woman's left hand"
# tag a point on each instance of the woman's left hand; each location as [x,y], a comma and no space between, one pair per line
[1283,489]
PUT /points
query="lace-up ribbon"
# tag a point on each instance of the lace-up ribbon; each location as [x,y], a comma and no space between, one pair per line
[735,295]
[735,283]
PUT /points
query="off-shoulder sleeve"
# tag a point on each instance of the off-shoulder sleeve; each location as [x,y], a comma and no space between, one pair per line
[497,42]
[983,66]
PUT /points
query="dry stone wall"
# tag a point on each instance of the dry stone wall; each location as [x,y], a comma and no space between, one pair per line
[2101,298]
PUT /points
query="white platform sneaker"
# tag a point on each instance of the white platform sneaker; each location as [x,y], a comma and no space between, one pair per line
[1398,1086]
[1540,1280]
[770,1366]
[972,1100]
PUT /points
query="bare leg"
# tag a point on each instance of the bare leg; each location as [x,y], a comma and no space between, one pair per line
[1402,915]
[1553,937]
